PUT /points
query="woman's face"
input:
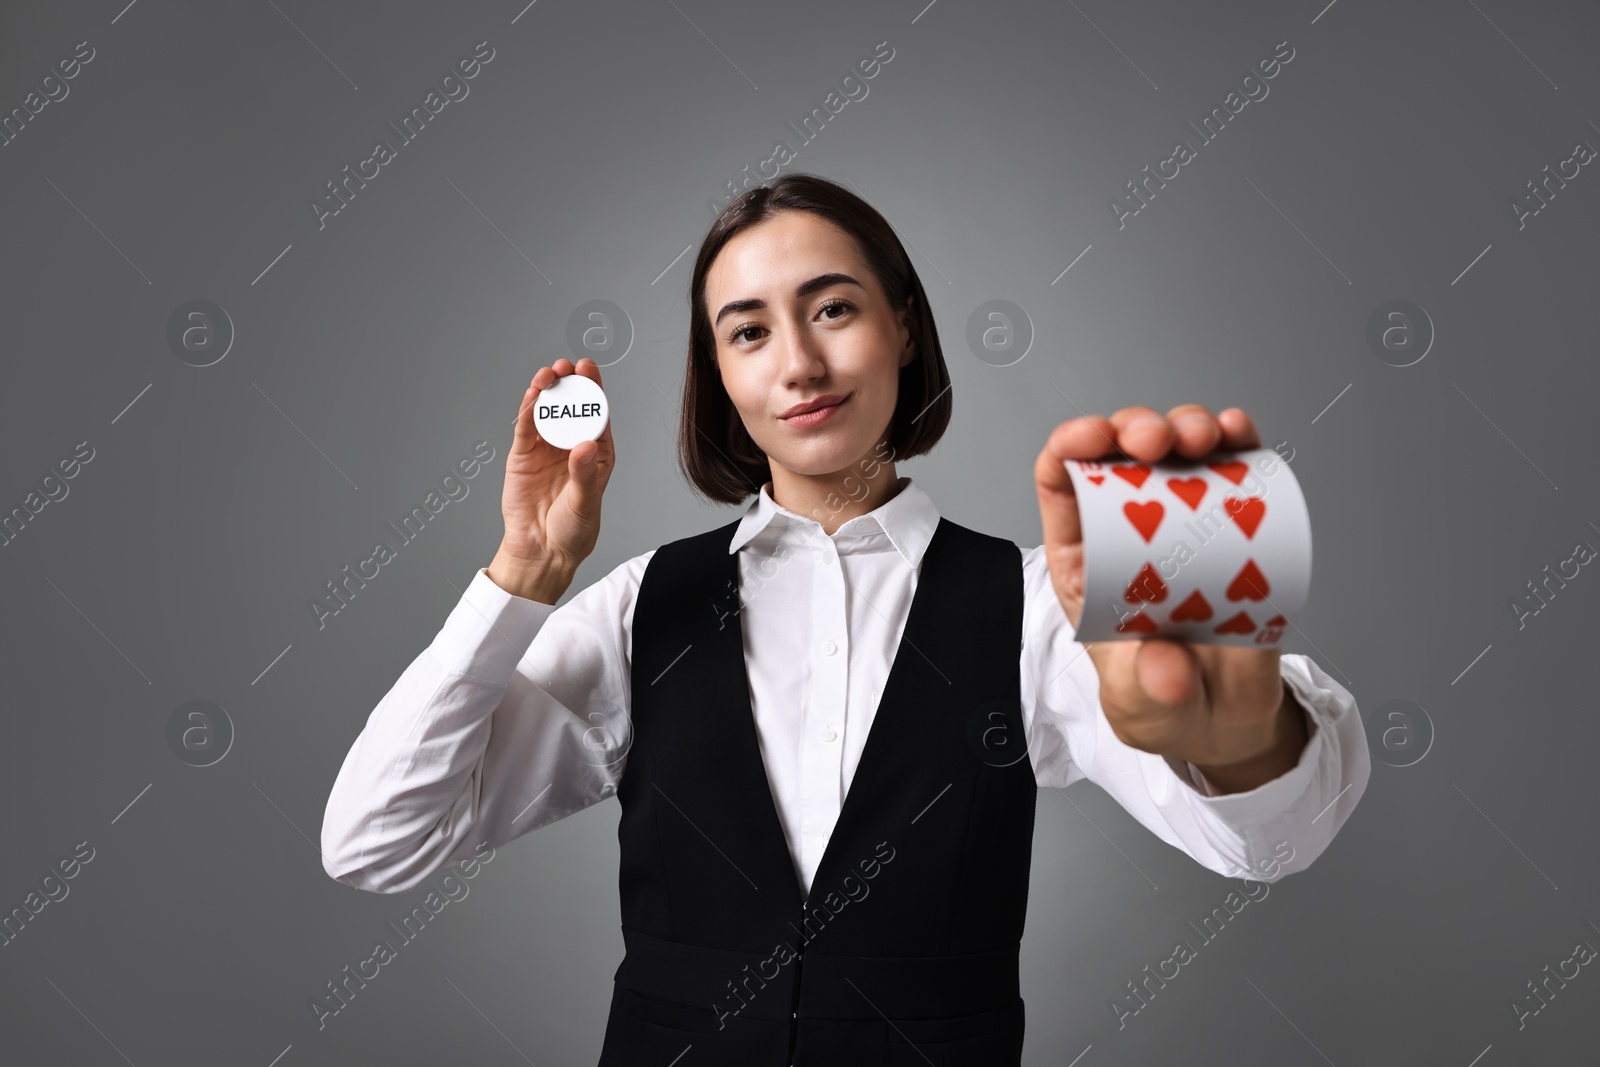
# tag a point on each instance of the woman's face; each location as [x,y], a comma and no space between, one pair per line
[798,317]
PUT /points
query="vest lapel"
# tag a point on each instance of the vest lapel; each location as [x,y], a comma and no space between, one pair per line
[734,738]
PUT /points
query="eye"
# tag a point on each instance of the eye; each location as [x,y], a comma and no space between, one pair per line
[738,333]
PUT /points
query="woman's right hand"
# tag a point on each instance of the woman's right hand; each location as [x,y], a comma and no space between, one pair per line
[551,501]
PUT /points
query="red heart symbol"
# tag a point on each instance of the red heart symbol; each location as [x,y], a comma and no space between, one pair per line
[1232,470]
[1139,623]
[1096,478]
[1189,490]
[1147,586]
[1195,608]
[1145,517]
[1239,624]
[1247,513]
[1249,583]
[1134,475]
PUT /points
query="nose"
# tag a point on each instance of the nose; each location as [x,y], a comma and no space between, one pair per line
[802,355]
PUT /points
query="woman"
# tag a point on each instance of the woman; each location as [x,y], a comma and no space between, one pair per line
[825,743]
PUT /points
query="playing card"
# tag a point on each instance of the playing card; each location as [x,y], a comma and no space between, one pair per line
[1214,551]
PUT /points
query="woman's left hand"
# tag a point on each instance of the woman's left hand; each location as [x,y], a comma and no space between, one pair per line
[1225,709]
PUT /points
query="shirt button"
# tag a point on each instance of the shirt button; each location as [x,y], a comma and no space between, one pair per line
[829,648]
[829,734]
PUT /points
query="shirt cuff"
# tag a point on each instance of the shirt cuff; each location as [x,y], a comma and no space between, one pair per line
[1272,797]
[488,632]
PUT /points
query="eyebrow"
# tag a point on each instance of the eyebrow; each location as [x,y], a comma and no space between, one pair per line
[821,281]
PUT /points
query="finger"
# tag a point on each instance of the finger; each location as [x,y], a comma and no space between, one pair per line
[524,435]
[1058,505]
[1197,429]
[1086,437]
[1238,430]
[1143,433]
[1089,437]
[1123,416]
[591,370]
[545,377]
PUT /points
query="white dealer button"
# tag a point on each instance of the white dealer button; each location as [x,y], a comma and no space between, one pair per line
[572,410]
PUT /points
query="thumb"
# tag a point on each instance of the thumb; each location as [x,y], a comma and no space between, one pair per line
[584,473]
[1168,671]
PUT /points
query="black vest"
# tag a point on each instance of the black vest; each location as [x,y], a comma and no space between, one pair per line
[906,950]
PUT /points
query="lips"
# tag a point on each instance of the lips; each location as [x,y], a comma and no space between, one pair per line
[813,407]
[821,412]
[828,401]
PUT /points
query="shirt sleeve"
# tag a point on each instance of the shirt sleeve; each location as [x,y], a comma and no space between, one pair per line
[1263,834]
[515,716]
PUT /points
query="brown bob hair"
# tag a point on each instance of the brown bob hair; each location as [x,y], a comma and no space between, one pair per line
[715,450]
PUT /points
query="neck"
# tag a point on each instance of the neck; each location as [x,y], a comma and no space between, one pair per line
[834,499]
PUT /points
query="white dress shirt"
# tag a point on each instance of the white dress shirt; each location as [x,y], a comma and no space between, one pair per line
[517,714]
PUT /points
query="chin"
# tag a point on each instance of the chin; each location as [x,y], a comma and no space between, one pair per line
[827,458]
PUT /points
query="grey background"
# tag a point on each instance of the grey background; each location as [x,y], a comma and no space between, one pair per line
[374,352]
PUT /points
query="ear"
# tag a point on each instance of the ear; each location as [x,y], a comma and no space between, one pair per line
[908,344]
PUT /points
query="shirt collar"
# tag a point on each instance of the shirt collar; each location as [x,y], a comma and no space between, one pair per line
[908,519]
